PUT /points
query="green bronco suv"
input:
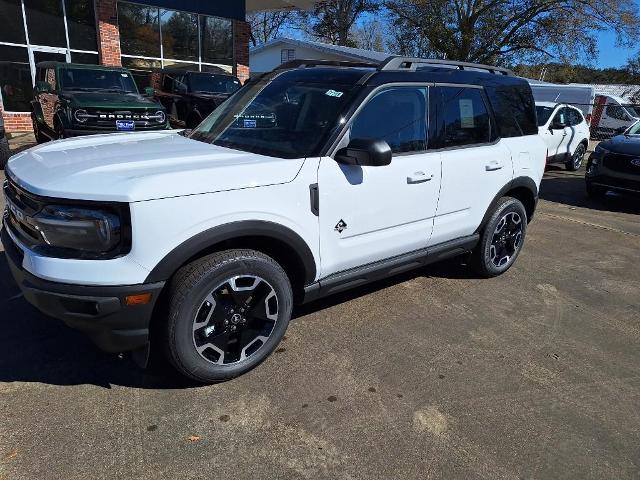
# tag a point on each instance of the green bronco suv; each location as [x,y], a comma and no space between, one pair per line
[72,99]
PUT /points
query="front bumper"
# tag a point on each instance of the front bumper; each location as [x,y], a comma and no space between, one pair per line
[100,312]
[601,176]
[79,132]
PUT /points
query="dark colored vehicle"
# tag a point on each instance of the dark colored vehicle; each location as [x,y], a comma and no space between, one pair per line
[615,164]
[72,99]
[5,152]
[189,97]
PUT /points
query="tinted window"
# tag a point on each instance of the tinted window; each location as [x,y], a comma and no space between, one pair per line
[213,83]
[397,116]
[217,40]
[543,114]
[139,30]
[142,70]
[81,24]
[514,109]
[574,116]
[84,58]
[282,118]
[560,116]
[105,80]
[172,65]
[179,35]
[617,112]
[15,78]
[45,22]
[465,116]
[12,29]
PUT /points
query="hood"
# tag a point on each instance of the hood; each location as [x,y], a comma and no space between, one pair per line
[109,100]
[627,145]
[131,167]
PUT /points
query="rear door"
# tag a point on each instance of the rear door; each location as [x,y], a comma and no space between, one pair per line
[475,164]
[558,139]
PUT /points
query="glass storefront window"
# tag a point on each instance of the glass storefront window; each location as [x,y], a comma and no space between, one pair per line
[179,35]
[15,78]
[12,26]
[139,30]
[81,24]
[172,65]
[142,70]
[216,40]
[86,58]
[45,22]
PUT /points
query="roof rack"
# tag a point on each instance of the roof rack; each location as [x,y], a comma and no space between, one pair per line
[409,63]
[328,63]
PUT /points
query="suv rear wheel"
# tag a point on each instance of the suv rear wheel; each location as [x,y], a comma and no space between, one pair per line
[40,137]
[227,312]
[575,162]
[502,238]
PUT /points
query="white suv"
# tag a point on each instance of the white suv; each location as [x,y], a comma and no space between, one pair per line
[566,133]
[310,180]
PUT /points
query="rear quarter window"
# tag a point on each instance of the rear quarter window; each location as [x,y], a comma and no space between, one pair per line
[514,110]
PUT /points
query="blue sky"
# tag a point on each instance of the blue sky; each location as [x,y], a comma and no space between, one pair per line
[611,55]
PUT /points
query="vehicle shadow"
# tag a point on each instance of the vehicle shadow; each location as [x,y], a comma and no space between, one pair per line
[561,186]
[36,348]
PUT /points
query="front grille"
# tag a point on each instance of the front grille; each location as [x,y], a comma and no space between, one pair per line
[622,163]
[26,206]
[107,118]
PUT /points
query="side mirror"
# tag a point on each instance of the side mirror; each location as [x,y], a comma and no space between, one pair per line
[558,125]
[365,152]
[42,87]
[149,91]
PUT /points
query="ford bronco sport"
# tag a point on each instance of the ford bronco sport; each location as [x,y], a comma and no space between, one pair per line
[72,99]
[189,97]
[312,179]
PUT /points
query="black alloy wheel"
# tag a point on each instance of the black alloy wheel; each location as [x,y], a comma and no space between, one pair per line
[576,160]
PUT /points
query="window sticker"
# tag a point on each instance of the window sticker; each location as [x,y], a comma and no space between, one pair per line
[125,75]
[248,123]
[334,93]
[466,113]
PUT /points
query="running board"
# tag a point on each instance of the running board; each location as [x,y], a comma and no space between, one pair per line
[371,272]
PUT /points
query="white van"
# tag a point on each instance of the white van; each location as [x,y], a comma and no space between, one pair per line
[611,115]
[580,96]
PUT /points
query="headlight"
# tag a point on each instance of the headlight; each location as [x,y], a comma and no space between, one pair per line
[80,232]
[160,116]
[80,115]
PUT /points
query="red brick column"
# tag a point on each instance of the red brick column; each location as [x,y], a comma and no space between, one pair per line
[108,32]
[16,122]
[241,34]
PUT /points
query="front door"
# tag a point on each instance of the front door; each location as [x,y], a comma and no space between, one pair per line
[373,213]
[48,101]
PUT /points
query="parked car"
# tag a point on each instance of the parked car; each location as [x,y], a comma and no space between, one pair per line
[615,164]
[189,97]
[611,114]
[565,132]
[5,151]
[581,97]
[72,99]
[208,240]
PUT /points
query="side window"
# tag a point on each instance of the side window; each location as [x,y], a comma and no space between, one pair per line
[575,117]
[179,85]
[398,116]
[51,77]
[167,83]
[616,111]
[465,116]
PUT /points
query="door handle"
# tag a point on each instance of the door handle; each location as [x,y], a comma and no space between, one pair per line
[418,177]
[493,165]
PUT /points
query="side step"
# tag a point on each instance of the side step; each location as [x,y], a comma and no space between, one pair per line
[371,272]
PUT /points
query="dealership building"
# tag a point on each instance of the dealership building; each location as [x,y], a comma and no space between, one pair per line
[143,36]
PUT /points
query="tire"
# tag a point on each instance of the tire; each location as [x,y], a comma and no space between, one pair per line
[498,249]
[210,337]
[576,160]
[5,152]
[40,137]
[595,191]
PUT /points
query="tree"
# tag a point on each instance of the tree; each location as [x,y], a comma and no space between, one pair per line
[369,35]
[266,26]
[633,65]
[332,21]
[501,31]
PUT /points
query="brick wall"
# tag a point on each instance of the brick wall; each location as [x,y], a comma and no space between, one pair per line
[17,122]
[108,32]
[241,32]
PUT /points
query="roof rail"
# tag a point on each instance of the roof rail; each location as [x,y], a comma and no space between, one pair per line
[408,63]
[319,63]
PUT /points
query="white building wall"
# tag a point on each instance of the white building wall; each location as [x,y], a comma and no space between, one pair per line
[269,58]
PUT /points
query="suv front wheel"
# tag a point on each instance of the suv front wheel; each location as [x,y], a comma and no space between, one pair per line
[575,162]
[501,239]
[227,312]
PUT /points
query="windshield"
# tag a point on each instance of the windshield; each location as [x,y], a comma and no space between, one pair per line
[634,130]
[85,79]
[633,110]
[280,119]
[543,114]
[213,83]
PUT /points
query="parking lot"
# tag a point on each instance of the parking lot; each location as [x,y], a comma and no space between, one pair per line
[433,374]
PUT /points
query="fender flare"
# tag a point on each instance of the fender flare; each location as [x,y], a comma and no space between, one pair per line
[517,182]
[230,231]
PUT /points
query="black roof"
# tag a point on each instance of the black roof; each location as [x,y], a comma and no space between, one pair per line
[396,69]
[179,71]
[50,64]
